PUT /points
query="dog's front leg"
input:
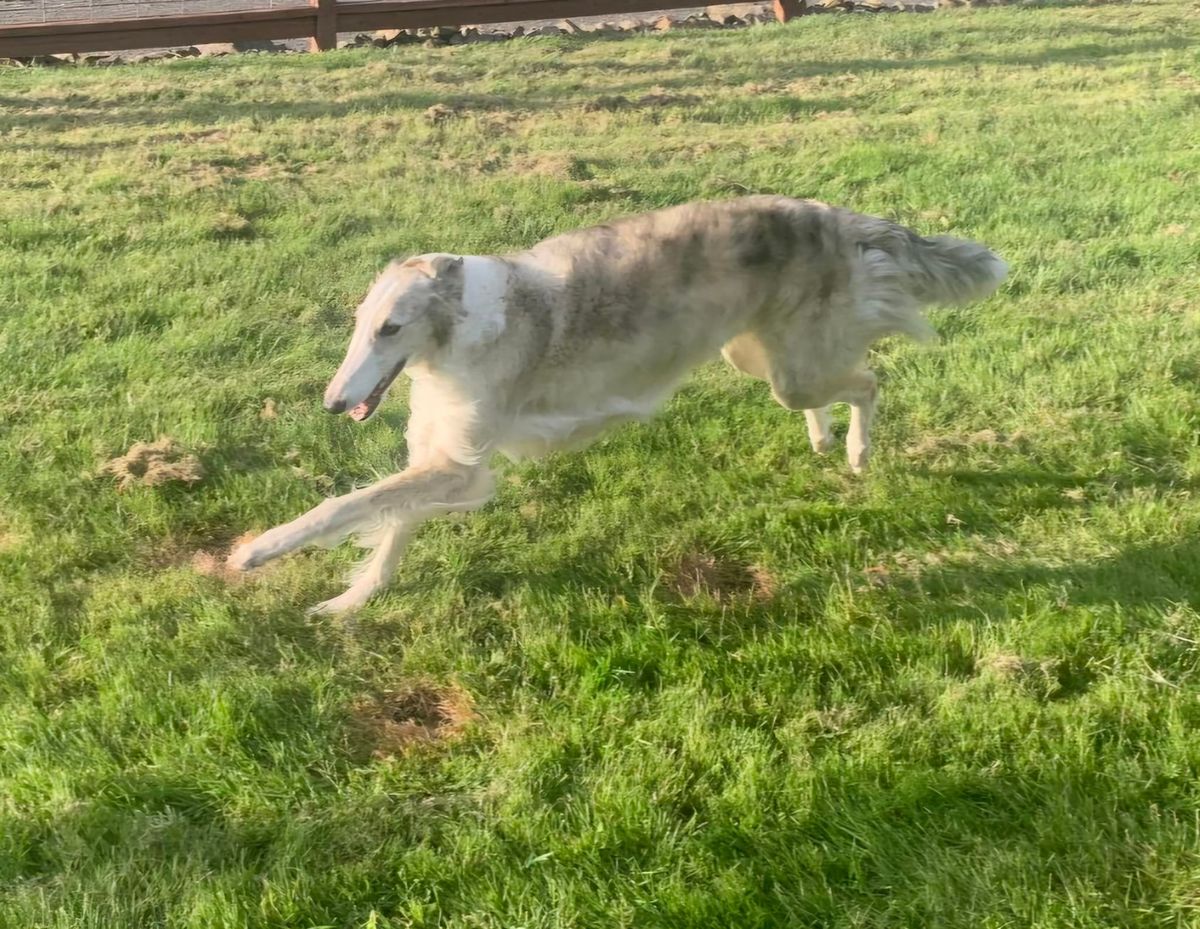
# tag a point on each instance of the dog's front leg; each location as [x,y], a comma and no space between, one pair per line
[320,525]
[387,512]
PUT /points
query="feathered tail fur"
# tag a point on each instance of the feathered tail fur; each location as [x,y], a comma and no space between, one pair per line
[906,271]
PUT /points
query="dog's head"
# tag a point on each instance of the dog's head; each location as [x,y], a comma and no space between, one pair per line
[406,314]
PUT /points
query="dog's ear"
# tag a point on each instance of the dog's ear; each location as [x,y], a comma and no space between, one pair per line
[436,265]
[442,265]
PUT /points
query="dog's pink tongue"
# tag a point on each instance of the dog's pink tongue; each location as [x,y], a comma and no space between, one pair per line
[360,412]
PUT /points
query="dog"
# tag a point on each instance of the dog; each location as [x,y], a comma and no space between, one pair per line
[547,348]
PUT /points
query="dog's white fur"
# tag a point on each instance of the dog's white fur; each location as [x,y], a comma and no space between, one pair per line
[548,348]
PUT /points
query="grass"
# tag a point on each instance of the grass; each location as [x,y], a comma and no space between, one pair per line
[696,676]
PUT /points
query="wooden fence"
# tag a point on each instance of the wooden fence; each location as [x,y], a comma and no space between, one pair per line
[320,22]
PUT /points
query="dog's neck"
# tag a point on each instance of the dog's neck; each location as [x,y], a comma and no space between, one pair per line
[485,289]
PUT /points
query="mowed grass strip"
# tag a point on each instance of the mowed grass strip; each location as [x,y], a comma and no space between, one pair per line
[693,677]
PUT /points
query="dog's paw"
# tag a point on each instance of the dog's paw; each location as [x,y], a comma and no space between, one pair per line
[346,603]
[824,445]
[244,558]
[859,459]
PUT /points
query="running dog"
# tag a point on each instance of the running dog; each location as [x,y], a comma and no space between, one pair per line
[547,348]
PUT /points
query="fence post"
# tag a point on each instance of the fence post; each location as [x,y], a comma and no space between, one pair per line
[787,9]
[326,35]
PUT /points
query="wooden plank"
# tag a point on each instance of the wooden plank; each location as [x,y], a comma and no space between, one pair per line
[70,26]
[410,14]
[325,36]
[303,22]
[157,33]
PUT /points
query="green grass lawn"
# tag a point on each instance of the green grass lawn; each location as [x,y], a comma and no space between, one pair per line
[696,676]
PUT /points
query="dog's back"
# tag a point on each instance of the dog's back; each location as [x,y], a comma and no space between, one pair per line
[682,281]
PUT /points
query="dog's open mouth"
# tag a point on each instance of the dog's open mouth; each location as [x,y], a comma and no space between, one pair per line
[364,410]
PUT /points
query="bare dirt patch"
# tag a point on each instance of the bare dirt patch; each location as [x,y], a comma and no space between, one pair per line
[213,564]
[439,113]
[722,579]
[153,463]
[421,713]
[654,99]
[985,438]
[1016,667]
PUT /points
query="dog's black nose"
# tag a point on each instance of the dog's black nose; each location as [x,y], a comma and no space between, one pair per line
[335,406]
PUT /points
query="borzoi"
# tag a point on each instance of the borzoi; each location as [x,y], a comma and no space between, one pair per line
[547,348]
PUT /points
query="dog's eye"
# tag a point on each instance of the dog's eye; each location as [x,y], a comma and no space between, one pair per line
[389,329]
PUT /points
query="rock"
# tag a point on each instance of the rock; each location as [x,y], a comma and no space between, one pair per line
[662,24]
[568,27]
[631,25]
[45,61]
[542,32]
[739,11]
[215,49]
[698,21]
[382,38]
[190,52]
[149,56]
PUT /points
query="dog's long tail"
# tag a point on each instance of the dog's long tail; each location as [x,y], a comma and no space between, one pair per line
[938,269]
[906,271]
[952,271]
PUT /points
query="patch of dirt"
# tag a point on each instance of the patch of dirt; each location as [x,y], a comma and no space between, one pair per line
[878,576]
[664,99]
[831,721]
[229,226]
[439,113]
[208,135]
[212,564]
[1008,666]
[422,713]
[1047,679]
[153,463]
[543,164]
[702,572]
[656,98]
[984,438]
[615,102]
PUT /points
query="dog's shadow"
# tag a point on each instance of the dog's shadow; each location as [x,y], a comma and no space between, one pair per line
[987,505]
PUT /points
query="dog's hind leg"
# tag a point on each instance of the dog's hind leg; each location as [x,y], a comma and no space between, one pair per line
[389,541]
[820,429]
[746,353]
[862,393]
[796,391]
[374,573]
